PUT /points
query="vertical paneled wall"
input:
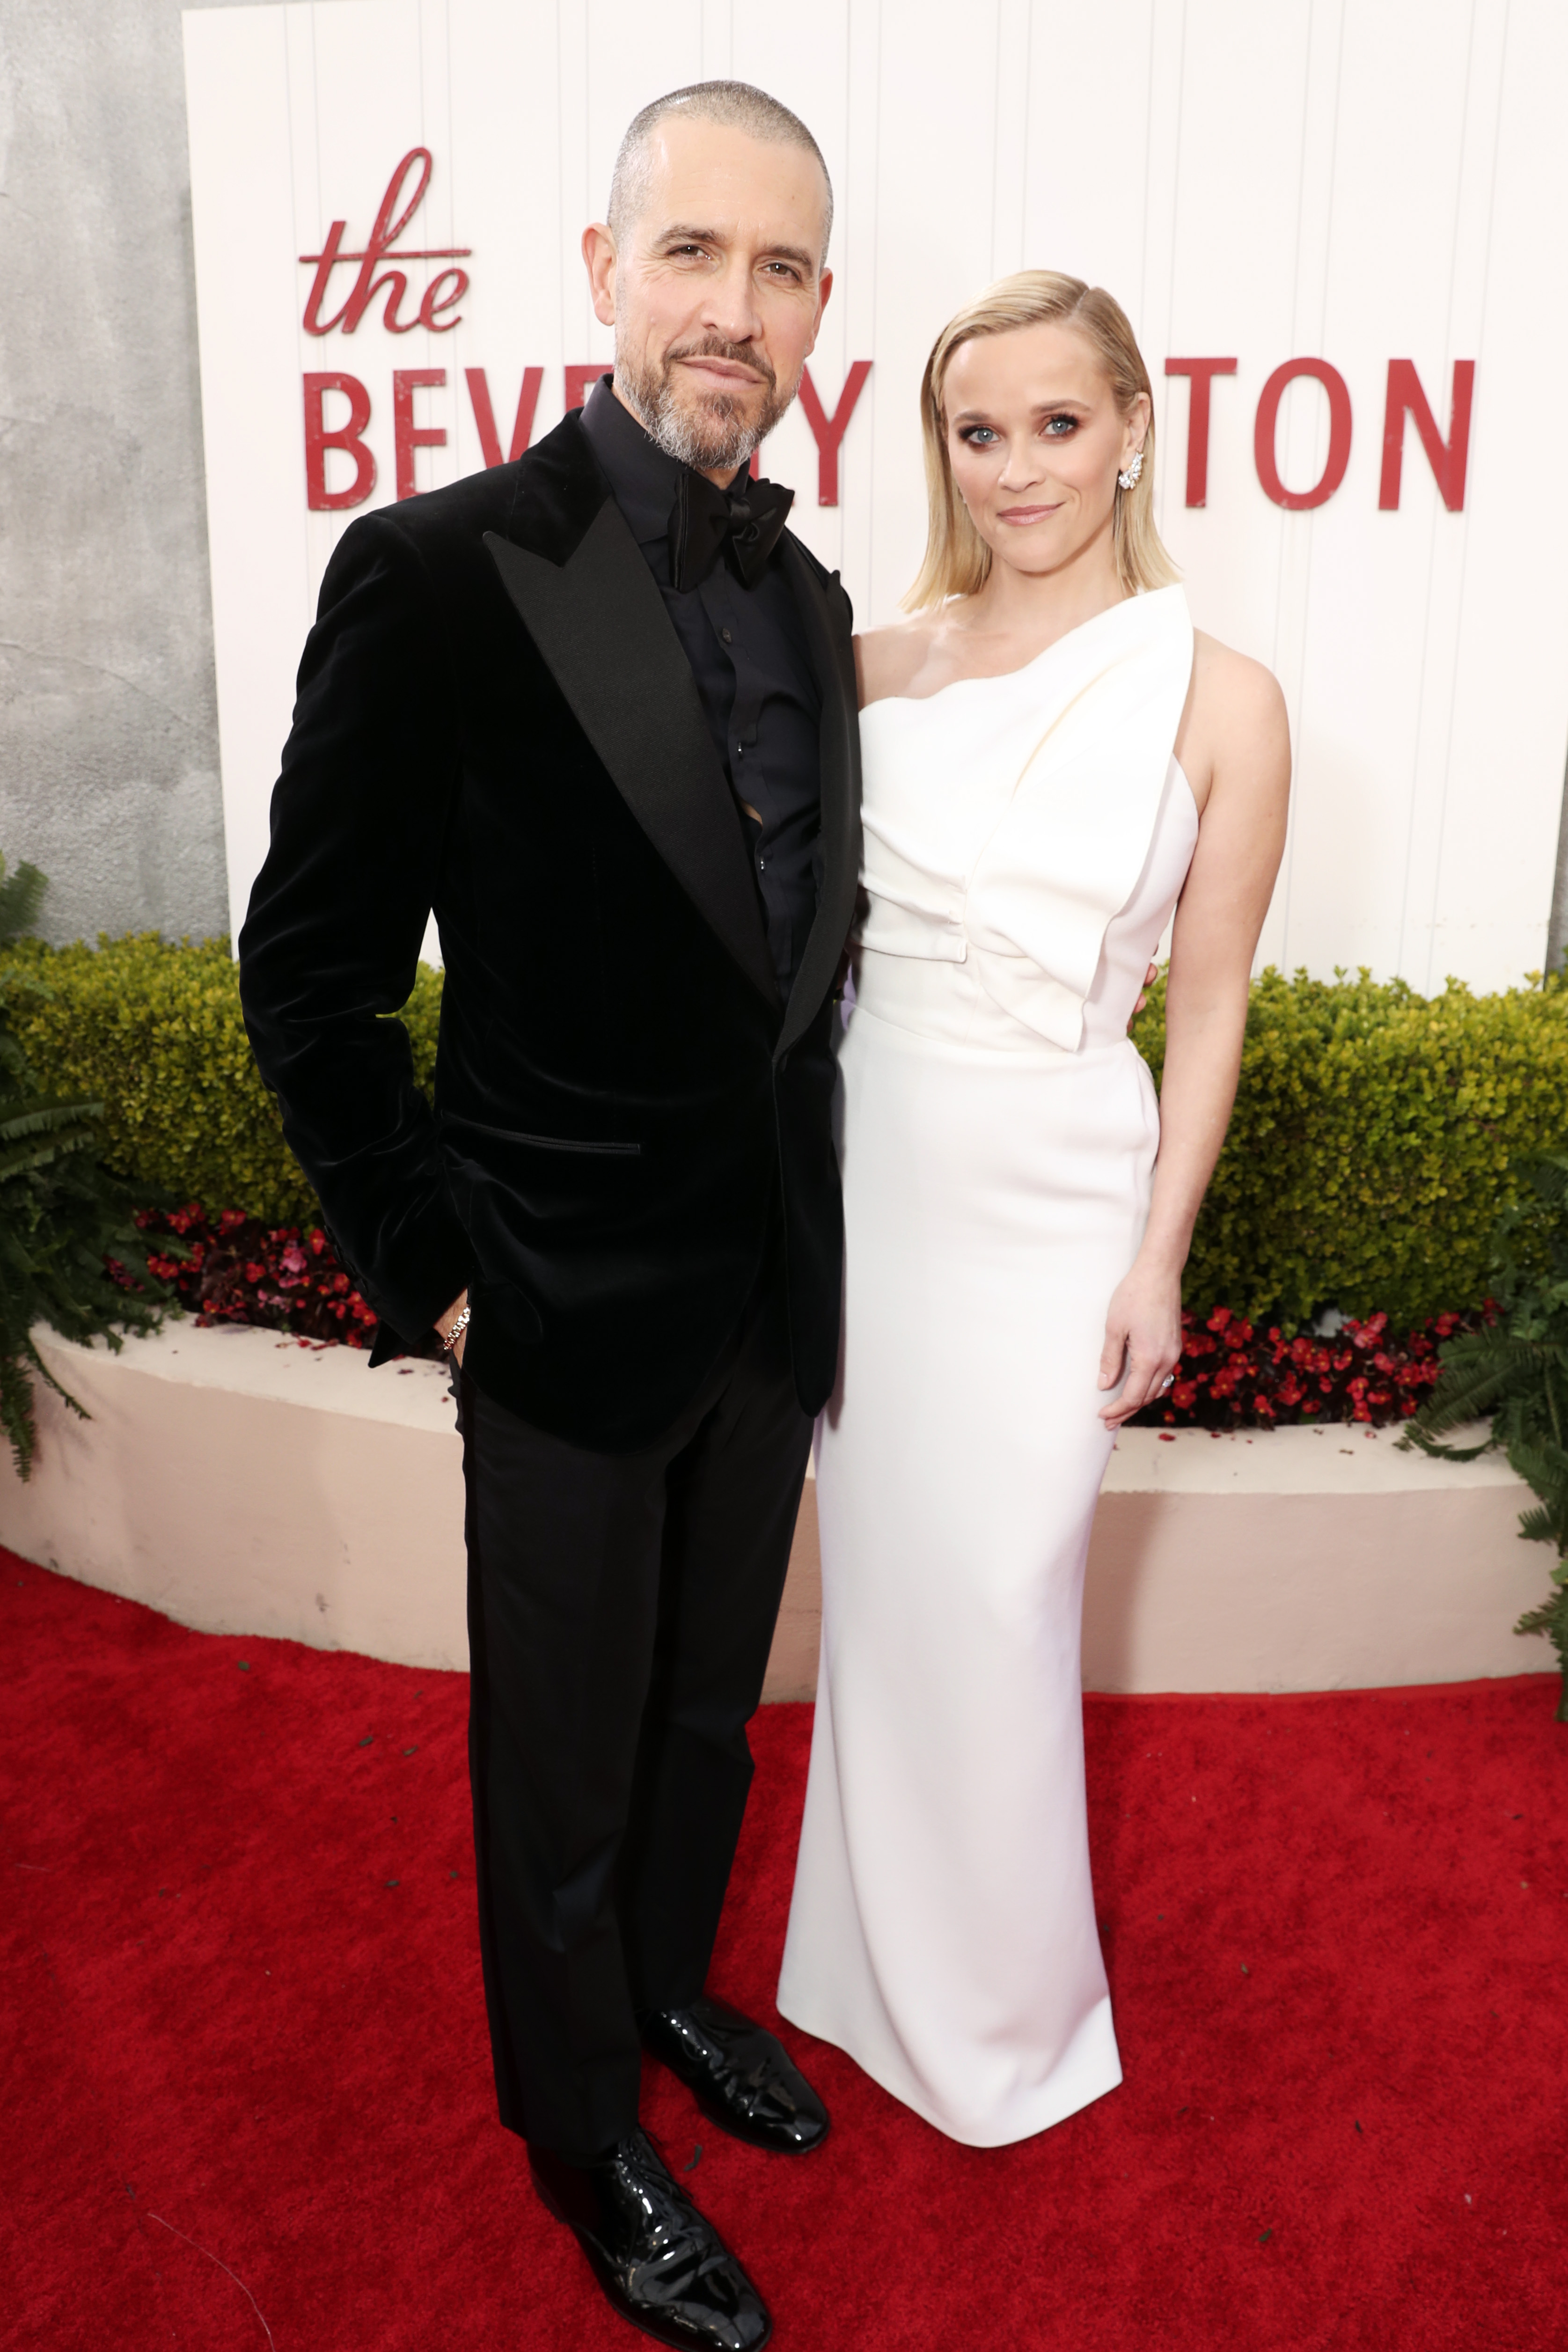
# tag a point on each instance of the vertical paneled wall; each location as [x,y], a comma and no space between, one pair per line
[1354,181]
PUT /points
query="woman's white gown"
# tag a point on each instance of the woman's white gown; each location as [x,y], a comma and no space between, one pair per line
[1027,838]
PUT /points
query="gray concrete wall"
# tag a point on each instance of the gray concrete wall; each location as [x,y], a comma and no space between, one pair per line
[109,766]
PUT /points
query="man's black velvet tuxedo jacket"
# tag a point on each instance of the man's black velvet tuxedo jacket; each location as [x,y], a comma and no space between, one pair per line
[495,719]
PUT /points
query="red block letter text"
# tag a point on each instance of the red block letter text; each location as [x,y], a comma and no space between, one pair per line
[1202,373]
[1448,458]
[347,437]
[581,378]
[407,436]
[829,431]
[485,415]
[1338,455]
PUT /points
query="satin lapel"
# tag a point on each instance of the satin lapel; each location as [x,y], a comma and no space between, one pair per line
[833,658]
[599,622]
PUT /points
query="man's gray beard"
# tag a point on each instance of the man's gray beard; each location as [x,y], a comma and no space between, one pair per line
[714,439]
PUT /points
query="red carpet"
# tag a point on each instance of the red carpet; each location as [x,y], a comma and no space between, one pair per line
[246,2092]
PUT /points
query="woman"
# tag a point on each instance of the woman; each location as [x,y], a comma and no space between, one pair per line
[1053,761]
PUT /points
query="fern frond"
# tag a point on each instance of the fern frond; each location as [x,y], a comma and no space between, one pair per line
[1470,1389]
[21,896]
[1415,1440]
[41,1114]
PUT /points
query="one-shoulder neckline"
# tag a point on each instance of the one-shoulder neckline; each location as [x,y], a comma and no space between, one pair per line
[999,676]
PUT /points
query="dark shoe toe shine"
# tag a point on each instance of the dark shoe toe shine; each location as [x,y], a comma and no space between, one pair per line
[741,2074]
[661,2263]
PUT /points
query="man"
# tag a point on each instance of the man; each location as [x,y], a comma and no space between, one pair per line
[597,708]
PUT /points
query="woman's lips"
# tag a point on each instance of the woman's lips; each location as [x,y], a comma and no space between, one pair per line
[1023,515]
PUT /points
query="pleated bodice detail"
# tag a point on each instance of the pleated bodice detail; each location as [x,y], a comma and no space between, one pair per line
[1033,830]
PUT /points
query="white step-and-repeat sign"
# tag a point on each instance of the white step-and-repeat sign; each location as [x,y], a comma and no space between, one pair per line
[1334,224]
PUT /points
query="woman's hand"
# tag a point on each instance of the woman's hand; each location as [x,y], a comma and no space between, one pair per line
[1143,1339]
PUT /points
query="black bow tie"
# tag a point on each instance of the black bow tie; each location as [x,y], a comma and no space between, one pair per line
[705,521]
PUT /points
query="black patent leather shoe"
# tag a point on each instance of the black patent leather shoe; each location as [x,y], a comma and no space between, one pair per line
[660,2262]
[739,2074]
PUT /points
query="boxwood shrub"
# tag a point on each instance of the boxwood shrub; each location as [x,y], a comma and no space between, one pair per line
[153,1031]
[1370,1147]
[1366,1161]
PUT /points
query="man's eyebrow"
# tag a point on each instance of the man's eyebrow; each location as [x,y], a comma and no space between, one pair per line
[683,234]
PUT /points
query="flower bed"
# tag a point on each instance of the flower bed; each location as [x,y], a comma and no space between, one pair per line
[234,1269]
[231,1268]
[1229,1378]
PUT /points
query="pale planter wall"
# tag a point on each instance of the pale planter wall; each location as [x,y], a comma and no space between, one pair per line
[1305,1559]
[241,1483]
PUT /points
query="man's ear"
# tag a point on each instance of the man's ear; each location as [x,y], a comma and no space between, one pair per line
[599,261]
[824,288]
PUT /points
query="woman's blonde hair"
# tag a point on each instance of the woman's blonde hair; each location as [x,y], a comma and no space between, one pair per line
[957,560]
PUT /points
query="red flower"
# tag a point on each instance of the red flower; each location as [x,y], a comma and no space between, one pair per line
[1364,1375]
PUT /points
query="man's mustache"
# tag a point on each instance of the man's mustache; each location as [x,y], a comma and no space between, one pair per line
[714,347]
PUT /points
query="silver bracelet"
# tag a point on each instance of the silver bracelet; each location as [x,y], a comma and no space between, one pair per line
[450,1338]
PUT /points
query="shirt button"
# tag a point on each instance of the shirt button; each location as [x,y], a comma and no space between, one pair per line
[725,634]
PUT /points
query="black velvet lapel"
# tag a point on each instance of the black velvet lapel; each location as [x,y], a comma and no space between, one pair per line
[590,605]
[834,661]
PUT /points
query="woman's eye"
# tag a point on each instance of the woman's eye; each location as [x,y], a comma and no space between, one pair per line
[979,436]
[1066,425]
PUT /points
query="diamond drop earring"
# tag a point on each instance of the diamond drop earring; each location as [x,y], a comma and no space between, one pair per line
[1128,480]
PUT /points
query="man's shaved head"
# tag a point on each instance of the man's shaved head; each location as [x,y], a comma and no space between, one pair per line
[739,107]
[712,270]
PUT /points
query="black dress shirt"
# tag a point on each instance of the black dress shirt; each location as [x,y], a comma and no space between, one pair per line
[749,657]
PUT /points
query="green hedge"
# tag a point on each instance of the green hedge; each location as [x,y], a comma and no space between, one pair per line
[1365,1164]
[1369,1151]
[153,1031]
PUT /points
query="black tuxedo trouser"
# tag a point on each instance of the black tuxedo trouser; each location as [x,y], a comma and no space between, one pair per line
[621,1608]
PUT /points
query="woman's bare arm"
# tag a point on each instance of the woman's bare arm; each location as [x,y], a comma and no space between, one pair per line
[1237,737]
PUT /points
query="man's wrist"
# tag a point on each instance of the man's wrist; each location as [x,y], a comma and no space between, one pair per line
[446,1325]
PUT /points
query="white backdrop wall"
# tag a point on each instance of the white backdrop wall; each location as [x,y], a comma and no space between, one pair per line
[1352,180]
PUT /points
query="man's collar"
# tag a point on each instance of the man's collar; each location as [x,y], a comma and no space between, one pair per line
[645,478]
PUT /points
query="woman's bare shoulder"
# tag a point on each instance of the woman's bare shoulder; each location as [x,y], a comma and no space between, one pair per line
[1234,720]
[1232,691]
[888,661]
